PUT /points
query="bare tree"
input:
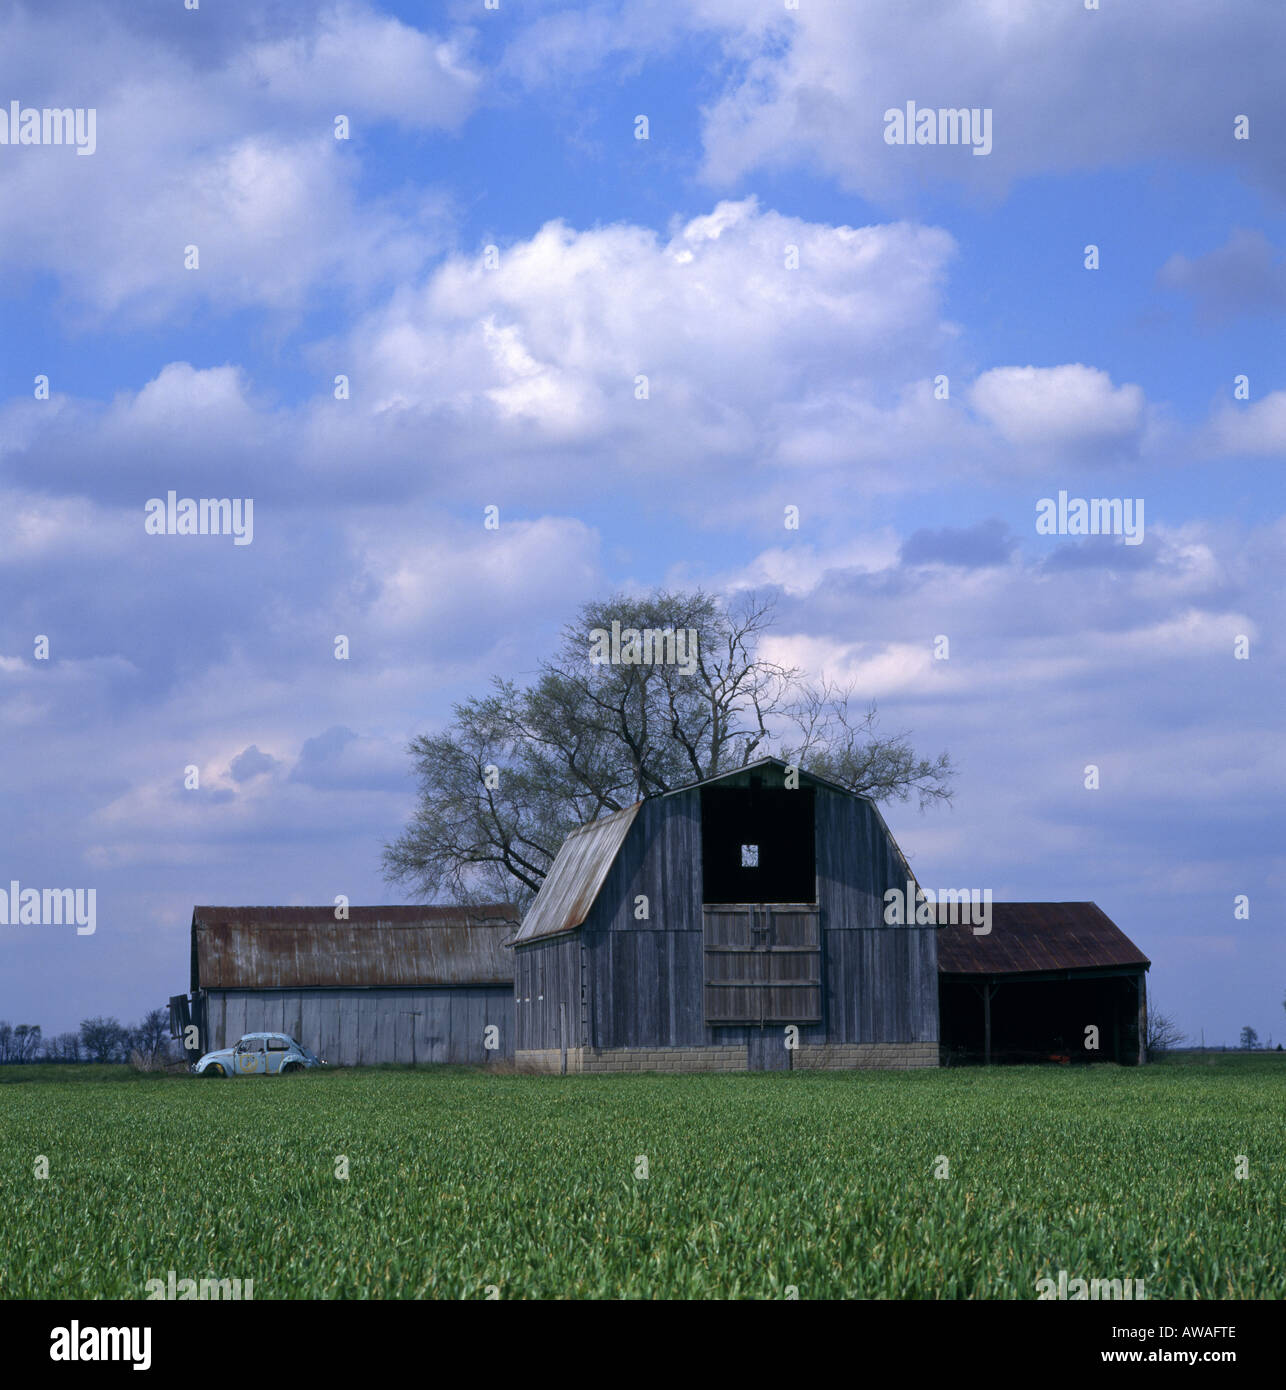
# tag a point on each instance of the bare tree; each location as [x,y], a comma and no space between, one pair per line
[520,768]
[64,1048]
[104,1040]
[1162,1034]
[152,1034]
[26,1042]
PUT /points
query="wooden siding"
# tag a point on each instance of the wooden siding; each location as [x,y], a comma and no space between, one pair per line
[547,974]
[881,985]
[644,979]
[361,1027]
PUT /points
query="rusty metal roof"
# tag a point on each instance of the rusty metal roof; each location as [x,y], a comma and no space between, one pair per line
[576,876]
[1028,938]
[305,947]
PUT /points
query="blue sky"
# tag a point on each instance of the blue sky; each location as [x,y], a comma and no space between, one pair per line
[514,387]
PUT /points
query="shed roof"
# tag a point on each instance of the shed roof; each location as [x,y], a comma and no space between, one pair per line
[305,947]
[576,876]
[1031,938]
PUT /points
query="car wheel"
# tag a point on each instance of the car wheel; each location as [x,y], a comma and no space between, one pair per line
[214,1069]
[291,1066]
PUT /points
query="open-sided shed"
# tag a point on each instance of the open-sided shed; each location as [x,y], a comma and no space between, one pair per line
[1048,980]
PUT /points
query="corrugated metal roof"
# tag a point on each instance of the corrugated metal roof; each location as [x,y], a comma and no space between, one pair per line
[1027,938]
[580,869]
[305,947]
[576,876]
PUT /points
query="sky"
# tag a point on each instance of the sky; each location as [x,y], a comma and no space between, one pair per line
[903,341]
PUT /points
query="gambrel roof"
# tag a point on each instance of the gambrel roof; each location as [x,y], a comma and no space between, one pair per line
[580,869]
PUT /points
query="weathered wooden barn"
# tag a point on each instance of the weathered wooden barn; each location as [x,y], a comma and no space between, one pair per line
[693,929]
[740,923]
[389,984]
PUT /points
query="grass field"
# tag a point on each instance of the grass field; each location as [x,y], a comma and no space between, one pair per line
[824,1181]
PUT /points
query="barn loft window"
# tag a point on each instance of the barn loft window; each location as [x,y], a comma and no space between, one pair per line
[757,845]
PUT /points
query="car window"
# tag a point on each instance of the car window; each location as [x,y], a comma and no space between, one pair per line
[278,1045]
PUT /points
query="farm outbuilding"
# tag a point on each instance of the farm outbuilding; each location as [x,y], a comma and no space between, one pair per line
[740,923]
[1031,988]
[388,984]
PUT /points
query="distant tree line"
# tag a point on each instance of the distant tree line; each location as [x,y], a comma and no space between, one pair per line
[99,1040]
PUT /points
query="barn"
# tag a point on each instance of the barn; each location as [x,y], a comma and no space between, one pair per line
[389,984]
[691,930]
[739,923]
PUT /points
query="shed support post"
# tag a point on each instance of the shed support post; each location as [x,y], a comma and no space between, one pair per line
[1143,1017]
[562,1039]
[986,1024]
[988,992]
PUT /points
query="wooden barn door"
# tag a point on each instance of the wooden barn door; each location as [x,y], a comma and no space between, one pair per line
[763,968]
[792,941]
[734,965]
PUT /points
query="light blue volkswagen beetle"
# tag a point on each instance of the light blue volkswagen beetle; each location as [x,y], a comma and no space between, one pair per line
[258,1054]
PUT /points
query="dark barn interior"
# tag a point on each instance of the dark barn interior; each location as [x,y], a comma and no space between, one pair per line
[1029,990]
[758,844]
[1036,1020]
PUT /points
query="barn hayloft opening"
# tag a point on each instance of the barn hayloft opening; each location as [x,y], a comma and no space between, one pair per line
[757,844]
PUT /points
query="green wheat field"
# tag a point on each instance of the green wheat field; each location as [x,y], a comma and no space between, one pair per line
[463,1184]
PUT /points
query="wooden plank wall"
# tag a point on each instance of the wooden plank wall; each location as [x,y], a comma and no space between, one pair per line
[644,978]
[364,1026]
[881,982]
[547,973]
[763,964]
